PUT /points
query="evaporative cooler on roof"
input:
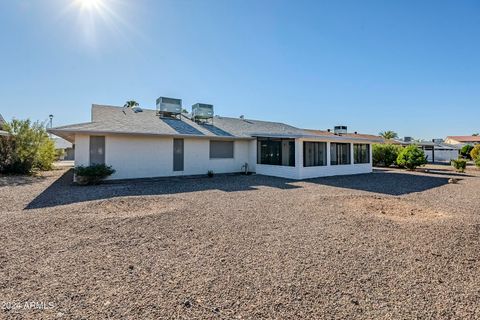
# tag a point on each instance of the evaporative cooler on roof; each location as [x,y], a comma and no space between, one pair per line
[169,107]
[202,113]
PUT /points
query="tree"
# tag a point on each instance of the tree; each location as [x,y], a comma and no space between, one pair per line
[476,134]
[8,158]
[475,153]
[389,134]
[465,151]
[131,104]
[385,155]
[411,157]
[30,146]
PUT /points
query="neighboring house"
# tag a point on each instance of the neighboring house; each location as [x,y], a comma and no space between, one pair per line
[435,150]
[153,143]
[67,148]
[2,122]
[462,140]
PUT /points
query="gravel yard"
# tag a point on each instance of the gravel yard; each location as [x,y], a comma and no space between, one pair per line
[387,245]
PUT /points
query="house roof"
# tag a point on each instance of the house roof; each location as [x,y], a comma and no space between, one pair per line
[61,143]
[465,138]
[436,145]
[355,136]
[117,120]
[2,122]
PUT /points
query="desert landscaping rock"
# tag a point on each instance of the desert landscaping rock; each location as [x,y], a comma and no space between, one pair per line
[388,245]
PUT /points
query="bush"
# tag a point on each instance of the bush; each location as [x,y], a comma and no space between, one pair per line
[465,151]
[8,158]
[411,157]
[28,148]
[210,173]
[460,164]
[475,153]
[477,162]
[92,174]
[385,155]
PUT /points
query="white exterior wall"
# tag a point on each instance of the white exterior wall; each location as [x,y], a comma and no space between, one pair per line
[280,171]
[329,170]
[82,150]
[197,158]
[146,157]
[301,172]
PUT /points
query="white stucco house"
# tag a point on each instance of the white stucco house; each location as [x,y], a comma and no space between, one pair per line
[151,143]
[462,140]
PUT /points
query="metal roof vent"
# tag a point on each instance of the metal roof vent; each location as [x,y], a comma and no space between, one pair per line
[169,107]
[340,129]
[202,113]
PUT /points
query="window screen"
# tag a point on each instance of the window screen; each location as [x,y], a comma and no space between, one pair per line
[280,152]
[97,150]
[361,153]
[340,153]
[314,154]
[221,149]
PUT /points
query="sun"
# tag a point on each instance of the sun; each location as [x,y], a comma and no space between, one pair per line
[90,4]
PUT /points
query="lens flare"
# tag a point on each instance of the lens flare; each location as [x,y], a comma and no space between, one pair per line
[90,4]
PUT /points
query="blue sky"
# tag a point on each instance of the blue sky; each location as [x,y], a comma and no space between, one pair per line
[408,66]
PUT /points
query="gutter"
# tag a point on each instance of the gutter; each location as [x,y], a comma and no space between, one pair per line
[66,133]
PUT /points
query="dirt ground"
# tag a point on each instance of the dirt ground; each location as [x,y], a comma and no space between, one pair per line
[387,245]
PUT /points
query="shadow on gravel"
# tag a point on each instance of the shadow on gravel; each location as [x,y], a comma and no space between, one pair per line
[63,191]
[19,180]
[384,182]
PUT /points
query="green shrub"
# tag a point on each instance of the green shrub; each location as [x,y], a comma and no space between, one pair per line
[477,162]
[385,155]
[92,174]
[210,173]
[460,164]
[8,157]
[29,148]
[475,153]
[465,151]
[46,155]
[411,157]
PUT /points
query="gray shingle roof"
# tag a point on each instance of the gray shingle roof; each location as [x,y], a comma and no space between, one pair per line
[110,119]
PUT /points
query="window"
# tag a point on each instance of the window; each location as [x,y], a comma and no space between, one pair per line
[314,154]
[221,149]
[279,152]
[97,150]
[361,153]
[339,153]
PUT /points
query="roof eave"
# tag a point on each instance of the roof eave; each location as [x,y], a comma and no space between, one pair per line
[68,134]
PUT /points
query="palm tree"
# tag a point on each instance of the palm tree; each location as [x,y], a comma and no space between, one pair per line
[130,104]
[388,134]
